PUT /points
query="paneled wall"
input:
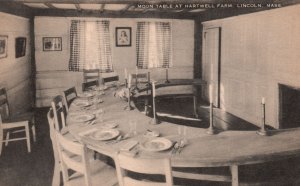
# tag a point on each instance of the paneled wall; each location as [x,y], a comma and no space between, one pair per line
[15,72]
[52,67]
[258,51]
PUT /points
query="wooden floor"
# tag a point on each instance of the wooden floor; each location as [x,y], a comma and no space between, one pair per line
[17,167]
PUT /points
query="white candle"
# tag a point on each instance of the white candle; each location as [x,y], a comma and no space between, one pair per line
[153,88]
[125,72]
[136,70]
[263,101]
[129,82]
[210,93]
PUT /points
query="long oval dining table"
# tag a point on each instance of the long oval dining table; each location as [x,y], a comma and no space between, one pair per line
[227,148]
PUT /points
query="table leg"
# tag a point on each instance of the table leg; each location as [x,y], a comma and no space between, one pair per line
[195,106]
[234,175]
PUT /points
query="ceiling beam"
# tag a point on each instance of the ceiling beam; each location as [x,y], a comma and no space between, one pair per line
[127,7]
[49,5]
[111,14]
[77,7]
[102,8]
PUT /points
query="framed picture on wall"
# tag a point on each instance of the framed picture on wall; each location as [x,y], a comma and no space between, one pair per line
[123,36]
[20,46]
[3,46]
[52,43]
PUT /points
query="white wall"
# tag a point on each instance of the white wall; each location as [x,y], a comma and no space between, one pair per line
[51,64]
[259,50]
[15,72]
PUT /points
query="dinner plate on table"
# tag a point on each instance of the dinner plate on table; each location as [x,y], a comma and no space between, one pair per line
[85,95]
[109,125]
[106,134]
[82,103]
[157,144]
[82,118]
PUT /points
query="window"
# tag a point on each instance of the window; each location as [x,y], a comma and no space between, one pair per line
[154,45]
[90,46]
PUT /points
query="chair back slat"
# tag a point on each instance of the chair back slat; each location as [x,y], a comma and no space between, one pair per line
[144,166]
[69,96]
[110,79]
[88,85]
[90,75]
[67,149]
[4,105]
[59,112]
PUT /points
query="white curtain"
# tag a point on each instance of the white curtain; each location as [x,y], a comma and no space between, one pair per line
[154,45]
[90,46]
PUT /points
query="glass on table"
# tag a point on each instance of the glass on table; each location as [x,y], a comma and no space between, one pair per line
[182,133]
[100,115]
[132,127]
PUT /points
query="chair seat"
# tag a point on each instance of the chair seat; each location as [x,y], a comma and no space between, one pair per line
[19,117]
[101,174]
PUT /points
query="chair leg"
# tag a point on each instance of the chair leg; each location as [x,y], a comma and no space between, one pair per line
[56,174]
[27,138]
[33,132]
[33,129]
[1,138]
[7,138]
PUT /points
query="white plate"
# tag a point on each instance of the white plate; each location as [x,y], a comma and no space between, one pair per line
[157,144]
[81,103]
[109,125]
[152,133]
[82,118]
[106,134]
[85,95]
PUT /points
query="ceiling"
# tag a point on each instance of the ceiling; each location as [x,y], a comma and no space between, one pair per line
[146,7]
[104,7]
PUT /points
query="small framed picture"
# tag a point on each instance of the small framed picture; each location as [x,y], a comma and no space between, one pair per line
[123,36]
[20,46]
[52,43]
[3,46]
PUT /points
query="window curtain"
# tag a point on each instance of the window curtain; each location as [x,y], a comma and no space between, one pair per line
[154,45]
[90,46]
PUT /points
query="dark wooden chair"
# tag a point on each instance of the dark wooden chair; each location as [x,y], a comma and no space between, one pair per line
[110,79]
[91,75]
[59,112]
[14,123]
[69,96]
[89,85]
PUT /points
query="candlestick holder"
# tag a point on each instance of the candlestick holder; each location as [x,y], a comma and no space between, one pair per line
[167,77]
[263,131]
[128,107]
[211,130]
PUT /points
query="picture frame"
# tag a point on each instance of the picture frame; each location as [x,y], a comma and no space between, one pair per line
[20,46]
[3,46]
[123,36]
[52,44]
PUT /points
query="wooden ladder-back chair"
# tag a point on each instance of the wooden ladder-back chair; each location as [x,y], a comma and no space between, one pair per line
[59,112]
[149,166]
[110,79]
[88,85]
[57,170]
[10,122]
[87,171]
[142,79]
[69,96]
[91,75]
